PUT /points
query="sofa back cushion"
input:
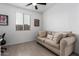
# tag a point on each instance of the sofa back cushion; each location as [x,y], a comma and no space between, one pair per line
[57,37]
[67,34]
[49,32]
[42,33]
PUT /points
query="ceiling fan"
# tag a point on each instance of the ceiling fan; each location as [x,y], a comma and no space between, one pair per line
[35,5]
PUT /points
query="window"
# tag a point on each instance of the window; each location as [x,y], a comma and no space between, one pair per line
[26,22]
[22,21]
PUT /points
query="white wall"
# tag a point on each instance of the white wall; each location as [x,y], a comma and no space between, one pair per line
[63,17]
[13,36]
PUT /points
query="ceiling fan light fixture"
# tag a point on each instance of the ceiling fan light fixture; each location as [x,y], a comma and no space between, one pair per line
[35,4]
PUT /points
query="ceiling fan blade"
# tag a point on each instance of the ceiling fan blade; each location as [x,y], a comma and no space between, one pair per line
[36,7]
[42,3]
[29,4]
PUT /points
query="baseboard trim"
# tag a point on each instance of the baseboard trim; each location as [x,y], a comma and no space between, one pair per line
[18,43]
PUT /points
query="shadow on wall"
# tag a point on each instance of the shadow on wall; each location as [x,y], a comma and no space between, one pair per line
[77,44]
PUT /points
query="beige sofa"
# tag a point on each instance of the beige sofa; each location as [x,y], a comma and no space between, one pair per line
[61,43]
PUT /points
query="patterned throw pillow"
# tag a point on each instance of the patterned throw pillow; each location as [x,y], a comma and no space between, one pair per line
[49,36]
[57,37]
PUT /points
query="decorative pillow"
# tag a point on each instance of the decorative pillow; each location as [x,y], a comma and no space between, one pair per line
[53,33]
[49,36]
[57,37]
[42,33]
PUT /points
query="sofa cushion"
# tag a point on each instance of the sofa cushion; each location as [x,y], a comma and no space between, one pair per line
[67,34]
[41,38]
[51,43]
[49,36]
[57,37]
[42,33]
[49,32]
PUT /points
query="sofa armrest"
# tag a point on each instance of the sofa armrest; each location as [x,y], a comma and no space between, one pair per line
[65,42]
[69,40]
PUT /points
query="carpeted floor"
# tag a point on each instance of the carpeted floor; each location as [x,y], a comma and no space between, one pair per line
[28,49]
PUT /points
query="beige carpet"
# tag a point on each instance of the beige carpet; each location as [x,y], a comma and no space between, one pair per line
[27,49]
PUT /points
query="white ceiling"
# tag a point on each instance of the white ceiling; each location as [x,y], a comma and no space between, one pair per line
[41,8]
